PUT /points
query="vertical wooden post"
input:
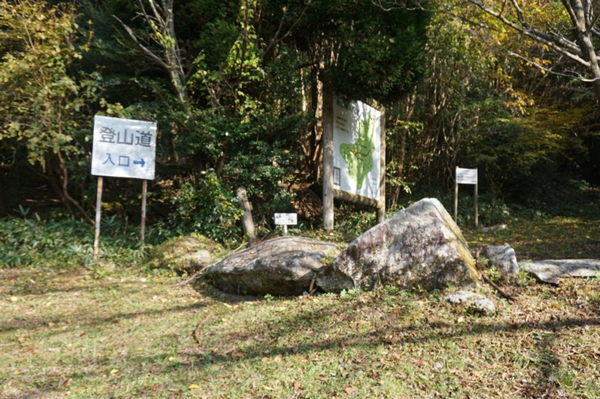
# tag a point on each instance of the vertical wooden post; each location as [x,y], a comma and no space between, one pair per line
[327,157]
[456,196]
[476,202]
[247,221]
[98,218]
[382,164]
[144,195]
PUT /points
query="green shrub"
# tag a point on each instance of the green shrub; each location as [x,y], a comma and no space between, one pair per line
[206,207]
[60,241]
[493,210]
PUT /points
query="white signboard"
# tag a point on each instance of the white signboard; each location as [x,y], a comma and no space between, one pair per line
[356,148]
[466,176]
[123,148]
[286,219]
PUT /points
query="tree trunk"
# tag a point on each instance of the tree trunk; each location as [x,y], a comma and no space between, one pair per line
[410,108]
[583,32]
[247,222]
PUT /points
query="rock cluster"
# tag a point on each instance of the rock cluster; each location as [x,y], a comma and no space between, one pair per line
[420,246]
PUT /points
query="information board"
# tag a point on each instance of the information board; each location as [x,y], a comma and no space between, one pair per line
[123,148]
[466,176]
[356,148]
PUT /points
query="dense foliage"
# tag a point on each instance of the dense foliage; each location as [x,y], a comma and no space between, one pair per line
[237,88]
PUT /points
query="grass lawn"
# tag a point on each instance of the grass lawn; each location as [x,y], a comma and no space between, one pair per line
[129,334]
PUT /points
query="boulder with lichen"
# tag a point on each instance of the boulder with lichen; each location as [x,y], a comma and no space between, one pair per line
[420,246]
[281,266]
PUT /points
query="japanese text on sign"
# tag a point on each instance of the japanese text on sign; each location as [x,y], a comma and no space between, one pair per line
[286,218]
[123,148]
[466,176]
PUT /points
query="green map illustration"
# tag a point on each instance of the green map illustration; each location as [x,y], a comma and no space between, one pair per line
[359,156]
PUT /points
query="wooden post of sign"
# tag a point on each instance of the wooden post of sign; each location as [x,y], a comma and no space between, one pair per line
[467,176]
[98,218]
[476,201]
[327,157]
[144,195]
[456,196]
[247,222]
[382,144]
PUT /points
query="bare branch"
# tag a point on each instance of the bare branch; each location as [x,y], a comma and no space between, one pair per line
[519,12]
[557,43]
[154,22]
[145,49]
[594,21]
[410,5]
[276,38]
[157,13]
[573,75]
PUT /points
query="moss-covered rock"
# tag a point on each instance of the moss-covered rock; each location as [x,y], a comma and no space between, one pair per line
[185,254]
[420,246]
[282,266]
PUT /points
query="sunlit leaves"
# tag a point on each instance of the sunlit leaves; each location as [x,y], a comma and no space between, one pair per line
[40,100]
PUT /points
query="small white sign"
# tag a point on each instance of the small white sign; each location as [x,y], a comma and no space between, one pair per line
[286,219]
[123,148]
[466,176]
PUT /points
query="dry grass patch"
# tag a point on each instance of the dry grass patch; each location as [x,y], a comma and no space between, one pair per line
[558,237]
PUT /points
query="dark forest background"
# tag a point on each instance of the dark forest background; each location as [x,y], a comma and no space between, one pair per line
[236,88]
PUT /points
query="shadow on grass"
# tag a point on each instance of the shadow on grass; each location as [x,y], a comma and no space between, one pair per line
[275,331]
[84,320]
[542,376]
[379,337]
[282,334]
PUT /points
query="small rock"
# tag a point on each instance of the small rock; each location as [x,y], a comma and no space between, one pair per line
[504,258]
[551,271]
[460,297]
[473,302]
[185,254]
[483,306]
[493,228]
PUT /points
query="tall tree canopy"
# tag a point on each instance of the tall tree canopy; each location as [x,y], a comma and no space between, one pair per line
[42,100]
[237,88]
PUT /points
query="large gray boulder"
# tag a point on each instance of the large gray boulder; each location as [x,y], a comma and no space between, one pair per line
[282,266]
[418,246]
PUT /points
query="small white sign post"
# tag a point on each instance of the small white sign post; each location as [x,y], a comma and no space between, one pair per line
[285,220]
[466,176]
[122,148]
